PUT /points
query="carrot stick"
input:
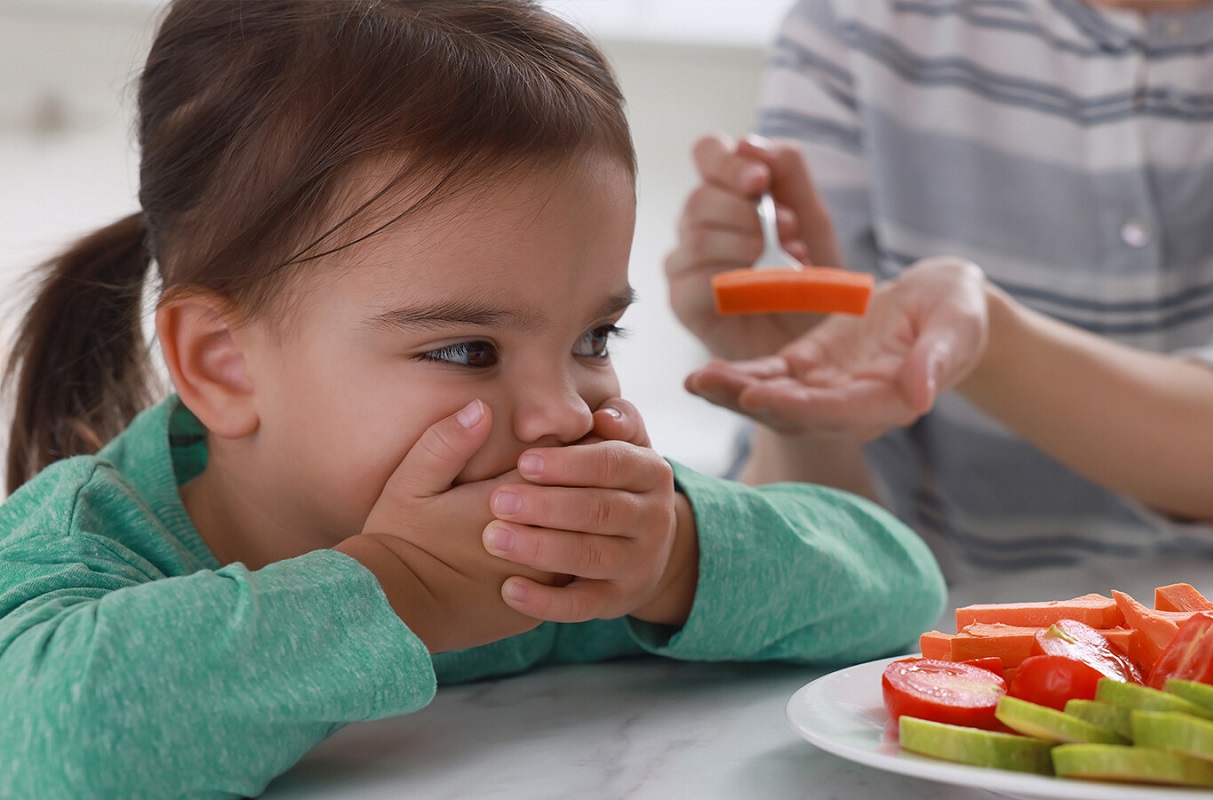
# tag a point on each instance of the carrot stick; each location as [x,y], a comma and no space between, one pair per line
[1157,628]
[1011,643]
[1180,597]
[821,290]
[1095,610]
[936,644]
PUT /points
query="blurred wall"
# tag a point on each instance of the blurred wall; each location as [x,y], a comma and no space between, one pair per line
[67,162]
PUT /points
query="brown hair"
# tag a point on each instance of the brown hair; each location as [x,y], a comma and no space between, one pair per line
[250,117]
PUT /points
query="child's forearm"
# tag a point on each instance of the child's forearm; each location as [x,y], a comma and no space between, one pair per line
[794,571]
[1136,422]
[189,685]
[839,463]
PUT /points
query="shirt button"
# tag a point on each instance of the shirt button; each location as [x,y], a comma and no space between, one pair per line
[1135,233]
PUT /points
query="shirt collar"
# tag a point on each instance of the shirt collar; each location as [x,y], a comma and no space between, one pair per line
[1159,34]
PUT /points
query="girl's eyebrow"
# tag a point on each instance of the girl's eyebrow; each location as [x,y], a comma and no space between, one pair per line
[447,314]
[469,311]
[617,303]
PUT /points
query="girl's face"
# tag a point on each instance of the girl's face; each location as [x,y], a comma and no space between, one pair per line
[508,294]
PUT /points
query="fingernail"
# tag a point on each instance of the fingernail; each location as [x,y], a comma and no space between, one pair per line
[470,414]
[515,590]
[507,503]
[934,364]
[498,540]
[611,411]
[531,465]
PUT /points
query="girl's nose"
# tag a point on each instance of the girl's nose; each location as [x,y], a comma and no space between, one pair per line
[552,410]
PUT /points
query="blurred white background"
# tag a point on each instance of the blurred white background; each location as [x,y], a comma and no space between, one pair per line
[68,162]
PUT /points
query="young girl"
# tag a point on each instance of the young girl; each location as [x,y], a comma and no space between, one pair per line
[391,241]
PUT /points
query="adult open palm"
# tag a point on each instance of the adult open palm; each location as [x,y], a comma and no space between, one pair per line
[861,376]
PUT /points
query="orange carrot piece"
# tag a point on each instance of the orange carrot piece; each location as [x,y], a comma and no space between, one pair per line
[1096,610]
[821,290]
[1014,643]
[1143,651]
[1011,643]
[1180,597]
[1120,638]
[1157,628]
[936,644]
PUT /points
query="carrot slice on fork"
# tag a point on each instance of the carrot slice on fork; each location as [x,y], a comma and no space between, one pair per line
[778,282]
[821,290]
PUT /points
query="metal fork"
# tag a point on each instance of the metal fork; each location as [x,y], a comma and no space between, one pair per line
[773,255]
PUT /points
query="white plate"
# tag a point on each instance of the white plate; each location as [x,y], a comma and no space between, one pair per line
[843,713]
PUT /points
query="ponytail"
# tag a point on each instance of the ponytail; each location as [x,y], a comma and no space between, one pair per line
[79,369]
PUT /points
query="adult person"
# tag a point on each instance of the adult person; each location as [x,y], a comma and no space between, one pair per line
[1063,146]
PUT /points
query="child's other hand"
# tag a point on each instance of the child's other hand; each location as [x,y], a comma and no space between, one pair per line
[605,513]
[422,541]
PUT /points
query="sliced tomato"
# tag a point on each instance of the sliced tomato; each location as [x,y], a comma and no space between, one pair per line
[1081,642]
[1049,680]
[1189,655]
[942,691]
[992,663]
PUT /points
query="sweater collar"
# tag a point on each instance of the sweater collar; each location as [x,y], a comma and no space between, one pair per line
[163,448]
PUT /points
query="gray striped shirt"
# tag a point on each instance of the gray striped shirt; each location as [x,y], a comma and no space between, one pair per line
[1067,150]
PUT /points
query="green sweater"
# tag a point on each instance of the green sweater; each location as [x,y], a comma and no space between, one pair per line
[132,664]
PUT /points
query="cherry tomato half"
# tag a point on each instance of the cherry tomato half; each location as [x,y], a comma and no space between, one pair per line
[992,663]
[1081,642]
[1189,656]
[942,691]
[1052,680]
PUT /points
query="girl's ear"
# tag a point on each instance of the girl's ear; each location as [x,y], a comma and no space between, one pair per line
[207,365]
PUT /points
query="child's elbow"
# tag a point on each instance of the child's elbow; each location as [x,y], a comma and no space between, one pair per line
[933,594]
[917,596]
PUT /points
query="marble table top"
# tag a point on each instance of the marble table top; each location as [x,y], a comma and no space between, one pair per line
[647,728]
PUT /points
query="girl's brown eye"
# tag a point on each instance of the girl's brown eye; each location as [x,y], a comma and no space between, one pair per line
[594,344]
[477,355]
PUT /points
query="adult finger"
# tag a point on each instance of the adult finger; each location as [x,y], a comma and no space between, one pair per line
[860,408]
[720,382]
[719,162]
[954,329]
[792,185]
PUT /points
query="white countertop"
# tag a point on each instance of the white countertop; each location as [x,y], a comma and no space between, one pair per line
[648,728]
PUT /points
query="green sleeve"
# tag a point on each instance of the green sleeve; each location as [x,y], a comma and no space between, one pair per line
[791,572]
[799,572]
[119,678]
